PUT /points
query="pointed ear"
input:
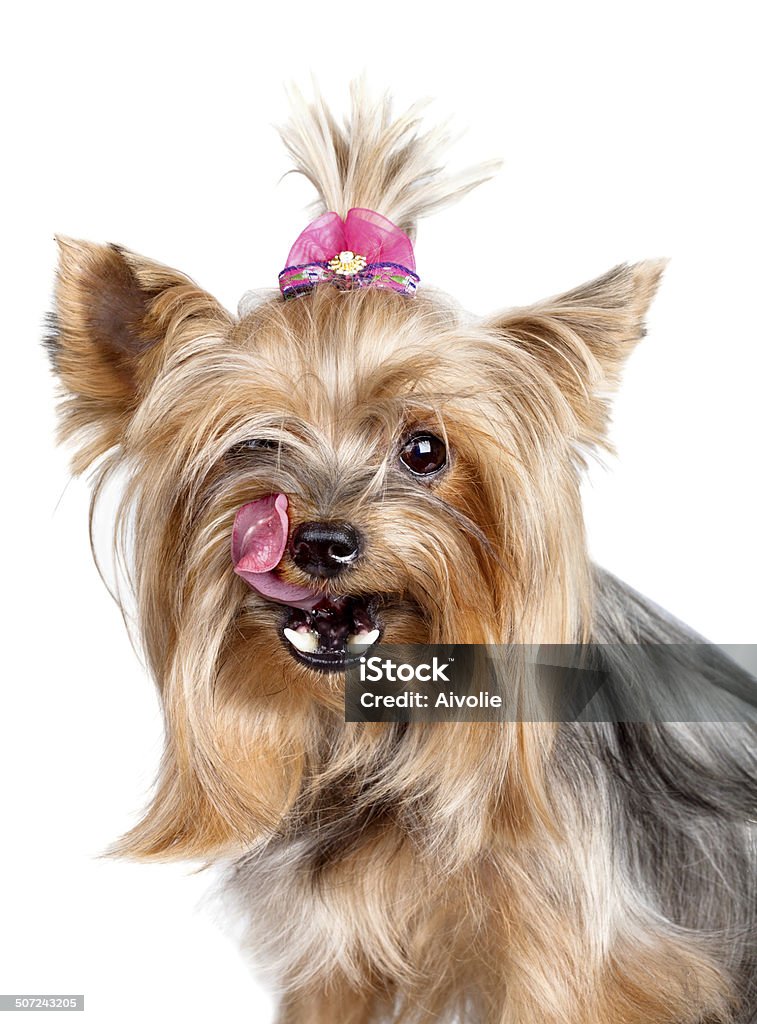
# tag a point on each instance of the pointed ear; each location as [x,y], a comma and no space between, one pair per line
[114,314]
[582,338]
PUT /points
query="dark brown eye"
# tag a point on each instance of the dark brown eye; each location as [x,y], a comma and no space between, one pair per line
[423,454]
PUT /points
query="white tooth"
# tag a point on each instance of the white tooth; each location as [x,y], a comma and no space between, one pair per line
[306,642]
[357,641]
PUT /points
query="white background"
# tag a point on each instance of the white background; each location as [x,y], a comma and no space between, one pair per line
[627,132]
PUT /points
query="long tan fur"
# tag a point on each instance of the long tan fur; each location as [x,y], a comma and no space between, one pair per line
[397,874]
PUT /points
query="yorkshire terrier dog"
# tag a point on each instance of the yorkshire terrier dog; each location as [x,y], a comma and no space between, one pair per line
[353,460]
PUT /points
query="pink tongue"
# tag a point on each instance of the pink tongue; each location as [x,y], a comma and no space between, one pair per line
[258,541]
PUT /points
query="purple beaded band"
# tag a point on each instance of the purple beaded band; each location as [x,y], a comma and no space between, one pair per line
[298,279]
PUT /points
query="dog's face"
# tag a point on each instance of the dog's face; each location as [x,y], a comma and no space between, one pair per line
[428,467]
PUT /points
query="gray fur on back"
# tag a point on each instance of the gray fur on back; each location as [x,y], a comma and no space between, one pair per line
[684,794]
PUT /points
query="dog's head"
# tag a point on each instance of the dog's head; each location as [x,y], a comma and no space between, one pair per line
[416,472]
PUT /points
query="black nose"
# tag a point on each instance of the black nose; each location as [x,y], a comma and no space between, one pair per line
[324,549]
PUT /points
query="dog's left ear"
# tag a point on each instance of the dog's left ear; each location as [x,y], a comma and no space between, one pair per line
[582,338]
[116,314]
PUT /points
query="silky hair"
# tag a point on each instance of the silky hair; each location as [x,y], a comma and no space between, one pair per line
[503,873]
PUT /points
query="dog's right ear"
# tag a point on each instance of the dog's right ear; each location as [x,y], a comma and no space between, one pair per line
[116,315]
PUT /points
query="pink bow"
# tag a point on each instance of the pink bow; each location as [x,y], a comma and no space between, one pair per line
[362,232]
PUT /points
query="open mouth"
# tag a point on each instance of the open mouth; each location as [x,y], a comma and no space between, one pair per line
[323,631]
[334,633]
